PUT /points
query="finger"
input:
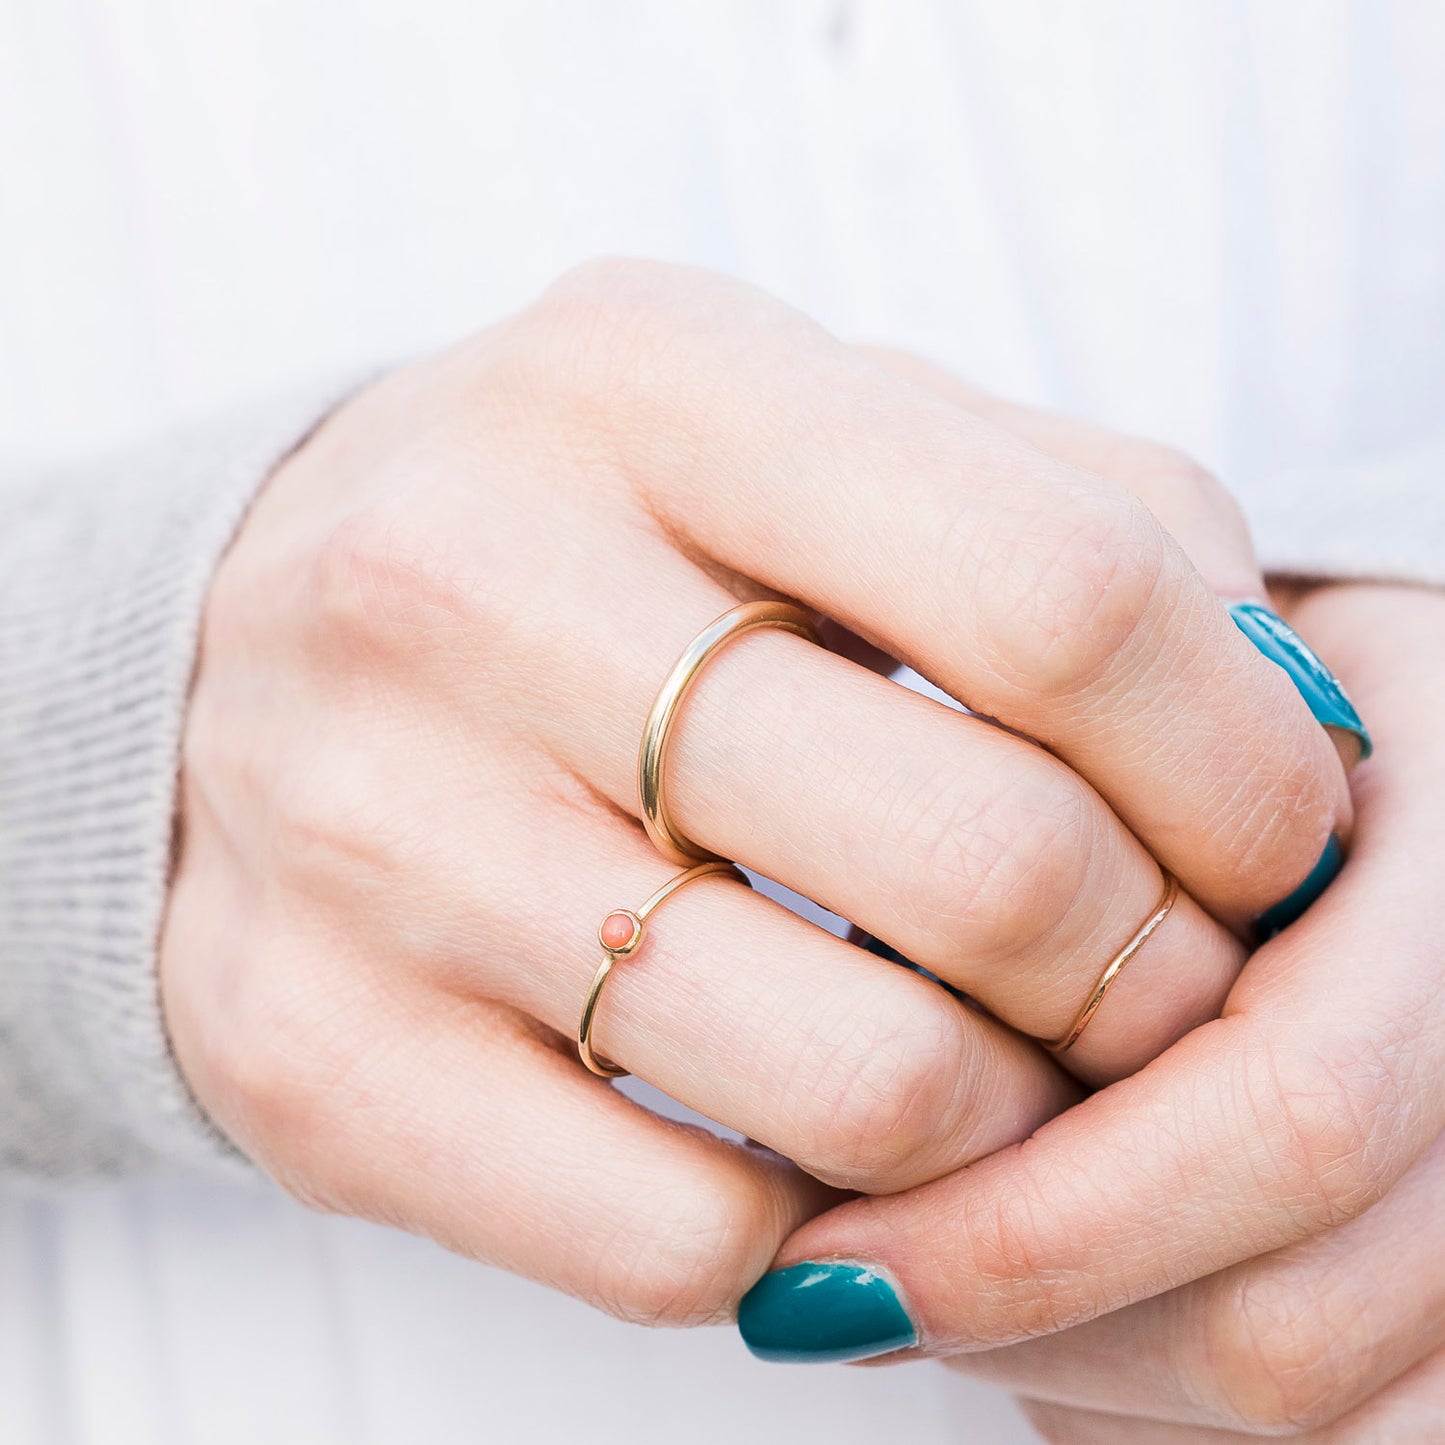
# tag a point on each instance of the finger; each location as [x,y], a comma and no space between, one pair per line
[1198,513]
[1288,1342]
[1034,592]
[869,1077]
[1299,1109]
[1410,1411]
[367,1095]
[970,851]
[973,852]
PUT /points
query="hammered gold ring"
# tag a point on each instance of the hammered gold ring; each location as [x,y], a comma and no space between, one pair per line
[652,755]
[620,935]
[1146,930]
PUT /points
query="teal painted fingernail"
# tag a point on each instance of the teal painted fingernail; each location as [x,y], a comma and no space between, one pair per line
[1278,918]
[823,1314]
[1319,687]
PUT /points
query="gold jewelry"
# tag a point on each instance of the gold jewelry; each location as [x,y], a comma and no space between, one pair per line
[651,756]
[620,935]
[1116,966]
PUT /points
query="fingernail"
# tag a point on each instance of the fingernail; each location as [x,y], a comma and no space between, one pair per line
[1319,687]
[823,1314]
[1278,918]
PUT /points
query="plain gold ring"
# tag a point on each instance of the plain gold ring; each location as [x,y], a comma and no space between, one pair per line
[620,935]
[1116,966]
[652,755]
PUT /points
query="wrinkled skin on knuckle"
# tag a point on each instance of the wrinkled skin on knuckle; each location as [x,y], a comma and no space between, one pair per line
[1060,593]
[1282,1358]
[986,874]
[683,1259]
[1021,1289]
[1325,1110]
[877,1086]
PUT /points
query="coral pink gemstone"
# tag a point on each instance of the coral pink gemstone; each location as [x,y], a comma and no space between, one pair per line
[618,930]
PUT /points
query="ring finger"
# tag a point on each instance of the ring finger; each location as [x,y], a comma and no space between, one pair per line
[869,1077]
[972,851]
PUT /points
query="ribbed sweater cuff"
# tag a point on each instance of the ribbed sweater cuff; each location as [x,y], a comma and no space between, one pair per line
[103,576]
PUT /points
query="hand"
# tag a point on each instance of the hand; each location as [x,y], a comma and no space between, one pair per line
[1408,1411]
[409,792]
[1298,1340]
[1246,1236]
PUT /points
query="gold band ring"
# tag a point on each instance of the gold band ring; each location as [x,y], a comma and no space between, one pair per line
[652,755]
[620,935]
[1116,965]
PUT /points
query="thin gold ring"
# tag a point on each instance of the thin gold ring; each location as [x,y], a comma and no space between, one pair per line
[652,755]
[624,945]
[1116,966]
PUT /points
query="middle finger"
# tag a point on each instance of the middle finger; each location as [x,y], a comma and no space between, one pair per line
[972,851]
[869,1077]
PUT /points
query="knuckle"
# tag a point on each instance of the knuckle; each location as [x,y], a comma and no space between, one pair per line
[987,874]
[599,352]
[878,1087]
[1326,1113]
[1009,1240]
[1177,487]
[595,324]
[611,281]
[1280,1358]
[340,834]
[1062,591]
[1151,469]
[683,1260]
[382,590]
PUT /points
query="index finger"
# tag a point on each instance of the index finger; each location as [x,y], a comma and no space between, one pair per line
[1036,593]
[1294,1112]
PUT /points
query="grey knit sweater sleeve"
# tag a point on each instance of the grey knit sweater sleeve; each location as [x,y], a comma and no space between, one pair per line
[103,574]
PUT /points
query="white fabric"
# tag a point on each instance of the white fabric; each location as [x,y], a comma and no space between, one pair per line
[1216,223]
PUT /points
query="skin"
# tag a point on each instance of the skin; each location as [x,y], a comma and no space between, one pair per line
[1262,1258]
[1336,1337]
[408,789]
[1409,1411]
